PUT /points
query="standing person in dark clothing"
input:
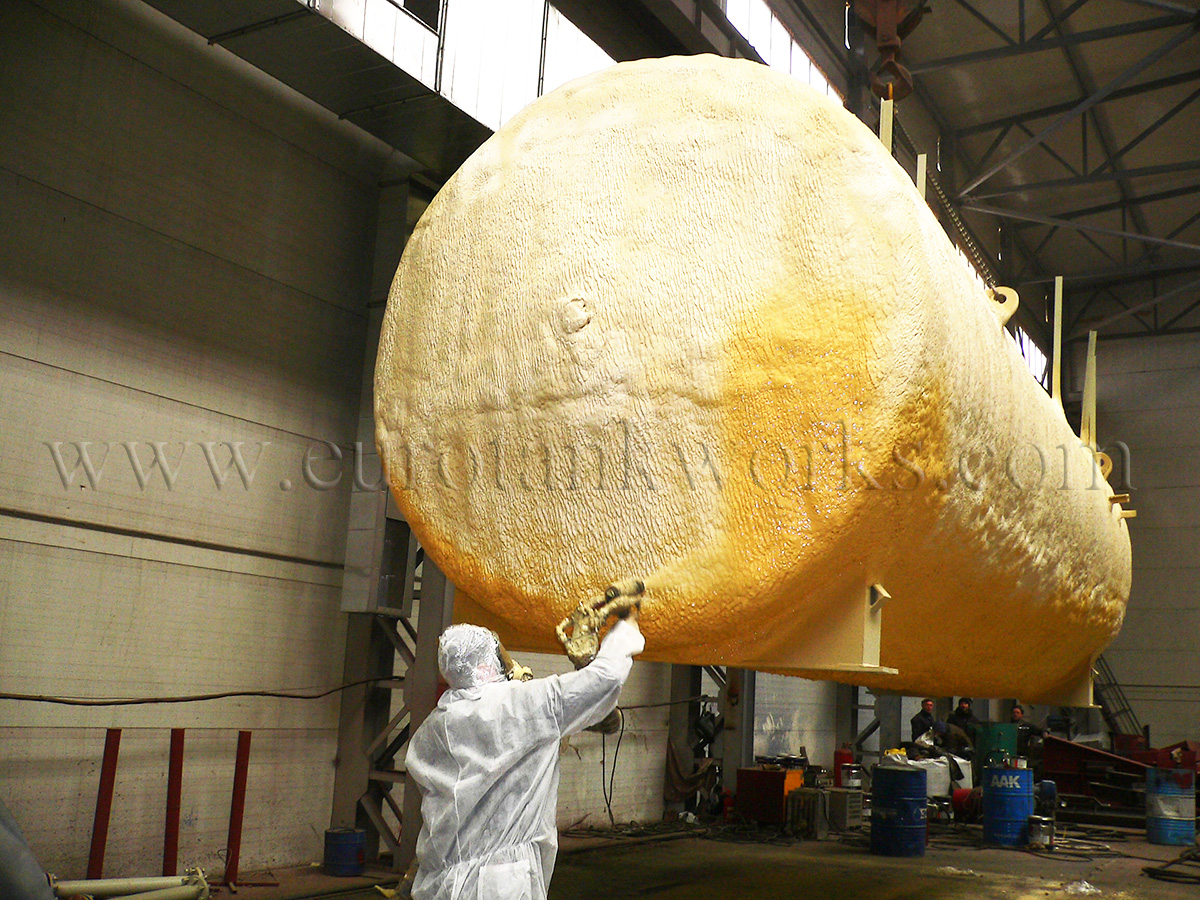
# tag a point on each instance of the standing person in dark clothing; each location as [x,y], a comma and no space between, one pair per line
[924,720]
[1025,728]
[963,718]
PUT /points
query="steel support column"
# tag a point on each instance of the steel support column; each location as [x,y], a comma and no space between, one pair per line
[434,615]
[887,710]
[737,739]
[681,719]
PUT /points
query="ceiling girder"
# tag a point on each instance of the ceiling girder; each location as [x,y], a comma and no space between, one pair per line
[1186,310]
[1092,178]
[988,23]
[1056,20]
[1119,275]
[1165,5]
[1087,85]
[1054,154]
[1132,91]
[1027,216]
[1115,146]
[1029,260]
[1149,130]
[1190,220]
[1118,204]
[1059,123]
[1138,308]
[1036,45]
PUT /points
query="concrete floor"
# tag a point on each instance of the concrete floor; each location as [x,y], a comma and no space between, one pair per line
[830,870]
[691,868]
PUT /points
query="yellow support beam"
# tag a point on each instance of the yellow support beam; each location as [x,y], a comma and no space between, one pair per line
[1056,377]
[1087,423]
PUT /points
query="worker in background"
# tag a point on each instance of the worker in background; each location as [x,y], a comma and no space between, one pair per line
[923,721]
[963,718]
[486,763]
[1025,728]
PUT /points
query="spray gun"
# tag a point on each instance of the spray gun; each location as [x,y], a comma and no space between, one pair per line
[579,633]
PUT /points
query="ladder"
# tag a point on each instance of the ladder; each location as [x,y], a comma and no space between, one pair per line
[1114,705]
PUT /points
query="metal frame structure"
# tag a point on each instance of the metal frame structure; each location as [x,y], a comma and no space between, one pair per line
[374,730]
[1142,289]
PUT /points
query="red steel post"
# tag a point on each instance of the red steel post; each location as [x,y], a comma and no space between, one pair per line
[174,796]
[237,808]
[104,797]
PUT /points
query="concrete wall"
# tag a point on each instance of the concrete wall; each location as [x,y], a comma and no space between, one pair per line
[1147,397]
[186,255]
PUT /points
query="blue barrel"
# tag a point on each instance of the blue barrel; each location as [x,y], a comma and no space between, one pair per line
[897,811]
[345,851]
[1007,806]
[1171,806]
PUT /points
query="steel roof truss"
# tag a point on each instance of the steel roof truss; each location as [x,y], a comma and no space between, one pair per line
[1075,226]
[1087,85]
[1118,204]
[1032,257]
[1186,310]
[1037,45]
[1150,129]
[1053,154]
[1165,6]
[1093,178]
[1145,87]
[1056,20]
[992,26]
[1064,120]
[1141,307]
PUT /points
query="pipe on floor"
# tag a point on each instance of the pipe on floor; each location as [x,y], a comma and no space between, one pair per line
[118,887]
[186,892]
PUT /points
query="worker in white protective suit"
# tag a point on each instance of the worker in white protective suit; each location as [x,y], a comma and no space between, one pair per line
[486,763]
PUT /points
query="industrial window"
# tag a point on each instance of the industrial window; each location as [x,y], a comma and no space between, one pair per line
[569,53]
[779,50]
[1035,359]
[425,10]
[491,56]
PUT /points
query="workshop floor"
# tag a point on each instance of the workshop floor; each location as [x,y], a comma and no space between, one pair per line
[689,868]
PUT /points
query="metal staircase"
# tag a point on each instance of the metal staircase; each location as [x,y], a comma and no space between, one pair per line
[1114,705]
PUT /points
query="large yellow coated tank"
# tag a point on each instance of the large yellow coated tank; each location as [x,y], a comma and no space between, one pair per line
[685,320]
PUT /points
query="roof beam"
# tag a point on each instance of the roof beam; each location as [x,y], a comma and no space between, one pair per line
[1120,275]
[1150,129]
[1056,108]
[1187,309]
[1093,178]
[1087,85]
[1075,226]
[1056,20]
[1037,46]
[1138,308]
[1061,122]
[1118,204]
[992,26]
[1166,6]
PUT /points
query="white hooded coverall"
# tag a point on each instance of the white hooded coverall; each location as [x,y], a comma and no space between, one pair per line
[486,763]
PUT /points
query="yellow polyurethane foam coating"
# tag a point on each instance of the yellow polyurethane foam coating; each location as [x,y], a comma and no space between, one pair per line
[686,321]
